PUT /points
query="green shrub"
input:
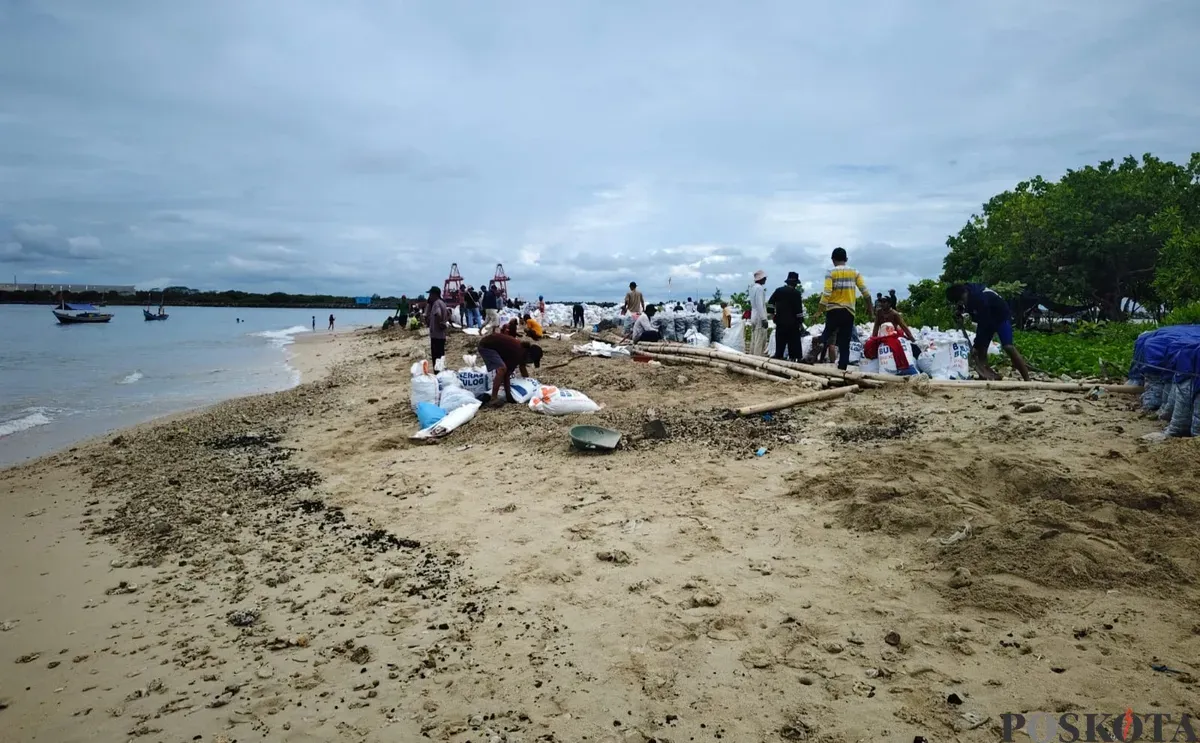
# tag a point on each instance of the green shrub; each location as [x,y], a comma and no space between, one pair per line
[1188,314]
[1079,351]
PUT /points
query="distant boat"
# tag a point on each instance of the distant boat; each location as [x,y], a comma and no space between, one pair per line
[162,315]
[77,314]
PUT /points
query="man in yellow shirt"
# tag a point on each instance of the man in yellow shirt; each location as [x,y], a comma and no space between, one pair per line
[533,328]
[838,303]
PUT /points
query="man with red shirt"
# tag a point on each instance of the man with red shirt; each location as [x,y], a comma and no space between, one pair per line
[503,354]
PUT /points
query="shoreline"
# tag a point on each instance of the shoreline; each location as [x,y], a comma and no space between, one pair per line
[308,355]
[291,567]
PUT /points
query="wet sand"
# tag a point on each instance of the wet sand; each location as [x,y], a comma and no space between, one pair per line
[292,567]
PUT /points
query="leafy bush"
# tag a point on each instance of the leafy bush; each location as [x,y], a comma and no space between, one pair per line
[1078,351]
[926,305]
[1188,314]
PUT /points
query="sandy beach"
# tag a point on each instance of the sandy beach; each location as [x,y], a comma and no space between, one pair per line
[292,567]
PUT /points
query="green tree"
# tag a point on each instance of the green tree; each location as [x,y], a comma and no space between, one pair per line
[1096,236]
[926,305]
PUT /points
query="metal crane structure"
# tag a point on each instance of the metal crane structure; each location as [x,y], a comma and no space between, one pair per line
[501,282]
[452,288]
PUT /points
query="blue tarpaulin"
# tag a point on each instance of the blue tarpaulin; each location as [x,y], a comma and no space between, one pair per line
[1172,352]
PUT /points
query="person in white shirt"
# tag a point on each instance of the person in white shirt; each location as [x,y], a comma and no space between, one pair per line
[759,333]
[690,306]
[643,330]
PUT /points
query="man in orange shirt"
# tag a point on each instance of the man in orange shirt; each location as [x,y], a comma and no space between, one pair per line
[533,328]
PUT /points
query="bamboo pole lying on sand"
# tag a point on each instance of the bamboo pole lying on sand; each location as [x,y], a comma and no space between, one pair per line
[1011,385]
[671,359]
[754,362]
[789,402]
[866,379]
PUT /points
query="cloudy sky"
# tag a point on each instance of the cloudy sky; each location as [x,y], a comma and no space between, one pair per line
[351,146]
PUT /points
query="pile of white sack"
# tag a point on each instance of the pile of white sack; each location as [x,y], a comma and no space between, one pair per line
[444,399]
[944,354]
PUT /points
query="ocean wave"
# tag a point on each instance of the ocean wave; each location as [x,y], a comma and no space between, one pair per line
[33,418]
[281,338]
[131,378]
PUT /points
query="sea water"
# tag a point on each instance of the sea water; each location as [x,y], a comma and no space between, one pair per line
[60,384]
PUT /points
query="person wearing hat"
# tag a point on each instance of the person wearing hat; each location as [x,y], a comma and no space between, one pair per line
[787,305]
[759,324]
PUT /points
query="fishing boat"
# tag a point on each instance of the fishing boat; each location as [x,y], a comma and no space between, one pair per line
[161,315]
[78,314]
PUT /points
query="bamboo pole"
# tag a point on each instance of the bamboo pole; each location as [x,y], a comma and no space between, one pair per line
[754,362]
[789,402]
[864,379]
[1011,385]
[852,377]
[670,359]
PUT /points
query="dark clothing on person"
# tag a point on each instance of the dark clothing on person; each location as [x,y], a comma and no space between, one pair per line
[991,315]
[437,317]
[788,339]
[437,348]
[510,350]
[650,336]
[839,324]
[489,300]
[577,316]
[985,306]
[787,303]
[470,299]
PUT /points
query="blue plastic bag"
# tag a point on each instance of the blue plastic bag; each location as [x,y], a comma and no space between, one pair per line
[429,414]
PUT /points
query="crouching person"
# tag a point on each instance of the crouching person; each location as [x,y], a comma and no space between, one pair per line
[643,330]
[504,354]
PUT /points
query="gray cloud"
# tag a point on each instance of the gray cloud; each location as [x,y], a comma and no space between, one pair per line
[580,146]
[42,243]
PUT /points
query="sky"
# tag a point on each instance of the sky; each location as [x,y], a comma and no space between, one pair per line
[359,147]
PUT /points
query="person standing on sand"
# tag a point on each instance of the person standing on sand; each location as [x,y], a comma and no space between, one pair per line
[331,321]
[635,303]
[787,304]
[437,317]
[491,310]
[542,308]
[838,303]
[314,323]
[758,315]
[402,311]
[503,355]
[470,302]
[577,316]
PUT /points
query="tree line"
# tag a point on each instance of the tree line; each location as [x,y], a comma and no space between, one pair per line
[1111,236]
